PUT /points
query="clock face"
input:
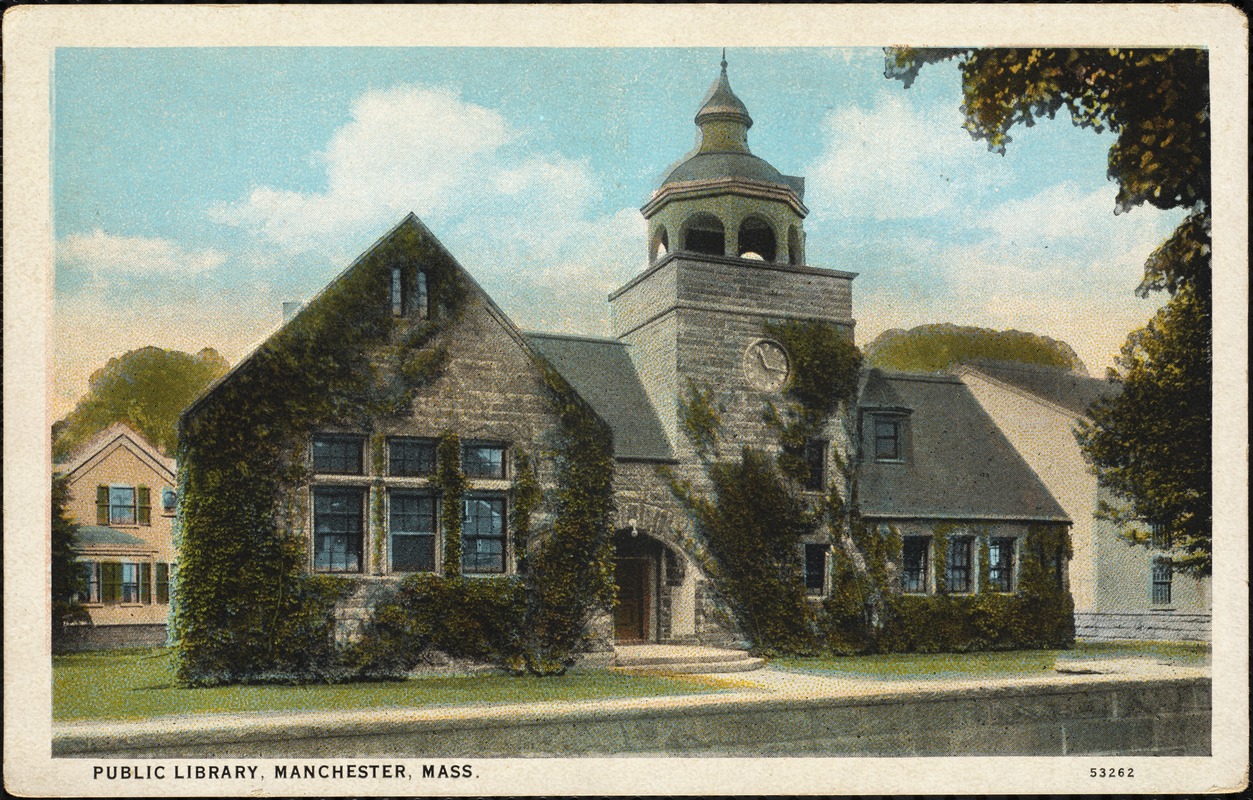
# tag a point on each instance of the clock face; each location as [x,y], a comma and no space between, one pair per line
[766,365]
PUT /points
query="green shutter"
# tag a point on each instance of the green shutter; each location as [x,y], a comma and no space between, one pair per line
[102,505]
[163,582]
[144,512]
[145,583]
[110,582]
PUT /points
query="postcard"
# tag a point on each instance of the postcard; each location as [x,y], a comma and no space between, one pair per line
[652,400]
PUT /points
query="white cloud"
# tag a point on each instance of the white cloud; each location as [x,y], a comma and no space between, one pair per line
[897,161]
[101,253]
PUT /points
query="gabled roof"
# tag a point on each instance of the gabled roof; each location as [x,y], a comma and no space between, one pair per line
[1061,387]
[958,464]
[119,434]
[601,371]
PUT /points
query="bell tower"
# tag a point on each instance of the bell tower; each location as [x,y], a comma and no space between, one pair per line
[726,248]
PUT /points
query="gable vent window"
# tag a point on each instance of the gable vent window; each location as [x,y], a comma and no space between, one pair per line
[422,300]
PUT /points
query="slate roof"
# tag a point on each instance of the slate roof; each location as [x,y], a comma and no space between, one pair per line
[602,373]
[958,464]
[715,165]
[1059,386]
[89,535]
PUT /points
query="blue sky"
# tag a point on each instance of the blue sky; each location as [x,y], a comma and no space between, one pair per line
[194,190]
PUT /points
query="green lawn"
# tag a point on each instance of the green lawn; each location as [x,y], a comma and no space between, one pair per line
[130,684]
[914,666]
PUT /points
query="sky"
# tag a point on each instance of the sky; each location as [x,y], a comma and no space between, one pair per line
[197,189]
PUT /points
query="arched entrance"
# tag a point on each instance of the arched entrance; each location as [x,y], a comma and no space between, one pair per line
[637,572]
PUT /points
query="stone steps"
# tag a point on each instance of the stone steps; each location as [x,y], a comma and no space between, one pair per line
[683,659]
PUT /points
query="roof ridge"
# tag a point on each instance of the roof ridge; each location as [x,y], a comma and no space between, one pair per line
[578,337]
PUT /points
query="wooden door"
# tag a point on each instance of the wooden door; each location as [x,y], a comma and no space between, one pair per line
[630,620]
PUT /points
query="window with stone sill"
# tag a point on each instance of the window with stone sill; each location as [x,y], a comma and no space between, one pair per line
[337,454]
[915,564]
[958,573]
[337,529]
[1163,577]
[412,527]
[816,569]
[483,535]
[483,460]
[1001,552]
[411,457]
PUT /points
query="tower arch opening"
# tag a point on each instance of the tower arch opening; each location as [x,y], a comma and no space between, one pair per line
[660,244]
[704,233]
[756,238]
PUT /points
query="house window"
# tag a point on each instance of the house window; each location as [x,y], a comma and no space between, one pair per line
[815,569]
[127,582]
[483,461]
[410,457]
[915,555]
[398,298]
[163,582]
[337,525]
[887,439]
[483,535]
[123,505]
[90,571]
[815,461]
[1001,564]
[957,566]
[1160,533]
[337,455]
[1163,574]
[412,526]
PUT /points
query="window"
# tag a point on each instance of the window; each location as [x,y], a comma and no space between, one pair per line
[398,298]
[90,571]
[1001,564]
[337,455]
[163,582]
[1160,533]
[1162,577]
[337,527]
[483,535]
[410,457]
[483,461]
[123,505]
[127,582]
[816,462]
[422,301]
[815,569]
[887,439]
[915,558]
[412,525]
[957,566]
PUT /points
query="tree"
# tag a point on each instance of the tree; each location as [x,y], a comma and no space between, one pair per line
[934,348]
[1151,444]
[66,580]
[147,389]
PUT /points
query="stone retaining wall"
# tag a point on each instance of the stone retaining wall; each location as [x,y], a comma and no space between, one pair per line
[1124,716]
[1145,626]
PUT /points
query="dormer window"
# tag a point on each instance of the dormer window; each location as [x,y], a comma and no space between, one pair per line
[887,439]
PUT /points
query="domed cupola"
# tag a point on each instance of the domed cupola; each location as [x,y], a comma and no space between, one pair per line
[724,201]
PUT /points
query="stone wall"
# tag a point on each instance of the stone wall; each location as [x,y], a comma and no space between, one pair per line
[1147,626]
[1124,716]
[80,638]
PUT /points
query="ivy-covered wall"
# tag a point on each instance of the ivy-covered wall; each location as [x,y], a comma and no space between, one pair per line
[755,512]
[250,609]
